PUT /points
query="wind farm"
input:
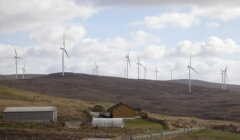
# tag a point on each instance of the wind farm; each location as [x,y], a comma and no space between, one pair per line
[119,70]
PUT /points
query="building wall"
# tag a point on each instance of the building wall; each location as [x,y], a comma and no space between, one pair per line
[50,116]
[123,111]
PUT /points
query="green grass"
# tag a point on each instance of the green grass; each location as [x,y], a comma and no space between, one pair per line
[208,135]
[142,124]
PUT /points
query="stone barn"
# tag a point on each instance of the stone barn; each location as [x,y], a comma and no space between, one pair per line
[122,110]
[42,113]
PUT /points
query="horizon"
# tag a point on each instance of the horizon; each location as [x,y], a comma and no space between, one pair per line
[20,78]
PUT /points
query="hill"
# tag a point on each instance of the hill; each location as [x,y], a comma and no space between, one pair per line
[163,97]
[207,84]
[20,76]
[14,97]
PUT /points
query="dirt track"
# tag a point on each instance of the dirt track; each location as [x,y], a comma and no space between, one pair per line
[165,98]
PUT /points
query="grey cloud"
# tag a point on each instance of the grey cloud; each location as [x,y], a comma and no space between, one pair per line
[157,3]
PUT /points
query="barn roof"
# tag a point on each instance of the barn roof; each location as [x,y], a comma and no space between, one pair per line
[119,104]
[29,109]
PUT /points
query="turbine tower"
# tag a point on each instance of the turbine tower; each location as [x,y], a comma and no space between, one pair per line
[139,64]
[96,68]
[128,62]
[63,52]
[145,71]
[225,79]
[156,72]
[222,74]
[16,62]
[171,73]
[24,71]
[189,74]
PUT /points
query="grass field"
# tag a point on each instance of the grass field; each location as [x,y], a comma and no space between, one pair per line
[208,135]
[72,109]
[141,123]
[67,108]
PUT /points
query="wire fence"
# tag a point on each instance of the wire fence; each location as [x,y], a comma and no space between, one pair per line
[158,135]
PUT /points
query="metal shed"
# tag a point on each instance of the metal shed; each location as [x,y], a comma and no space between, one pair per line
[108,122]
[41,113]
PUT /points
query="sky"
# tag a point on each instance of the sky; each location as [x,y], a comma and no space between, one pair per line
[161,33]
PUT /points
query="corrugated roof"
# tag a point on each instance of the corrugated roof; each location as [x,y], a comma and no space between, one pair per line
[29,109]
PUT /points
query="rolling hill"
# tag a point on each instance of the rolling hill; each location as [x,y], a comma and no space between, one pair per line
[207,84]
[20,76]
[163,97]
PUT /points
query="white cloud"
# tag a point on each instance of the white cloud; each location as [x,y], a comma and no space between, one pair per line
[158,3]
[182,20]
[212,47]
[153,52]
[221,12]
[27,15]
[213,25]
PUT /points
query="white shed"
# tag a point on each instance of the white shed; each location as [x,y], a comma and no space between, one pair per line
[40,113]
[108,122]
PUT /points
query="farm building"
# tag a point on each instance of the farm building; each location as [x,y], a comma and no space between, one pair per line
[122,110]
[108,122]
[43,113]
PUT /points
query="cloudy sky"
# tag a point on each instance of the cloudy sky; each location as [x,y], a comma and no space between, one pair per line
[162,33]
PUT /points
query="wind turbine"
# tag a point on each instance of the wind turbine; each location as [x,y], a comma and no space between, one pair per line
[171,73]
[222,74]
[128,62]
[16,62]
[225,79]
[189,70]
[124,72]
[139,64]
[63,52]
[94,71]
[145,71]
[96,68]
[156,72]
[24,71]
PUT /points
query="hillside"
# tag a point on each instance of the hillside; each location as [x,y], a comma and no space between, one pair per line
[207,84]
[14,97]
[20,76]
[161,97]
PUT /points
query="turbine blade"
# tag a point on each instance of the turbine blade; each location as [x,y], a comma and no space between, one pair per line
[226,68]
[129,62]
[64,41]
[66,53]
[190,59]
[15,51]
[193,69]
[226,77]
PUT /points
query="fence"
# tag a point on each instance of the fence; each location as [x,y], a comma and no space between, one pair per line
[158,135]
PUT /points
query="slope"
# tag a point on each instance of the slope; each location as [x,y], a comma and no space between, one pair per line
[207,84]
[161,97]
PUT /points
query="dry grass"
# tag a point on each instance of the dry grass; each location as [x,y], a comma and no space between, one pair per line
[208,135]
[176,122]
[67,108]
